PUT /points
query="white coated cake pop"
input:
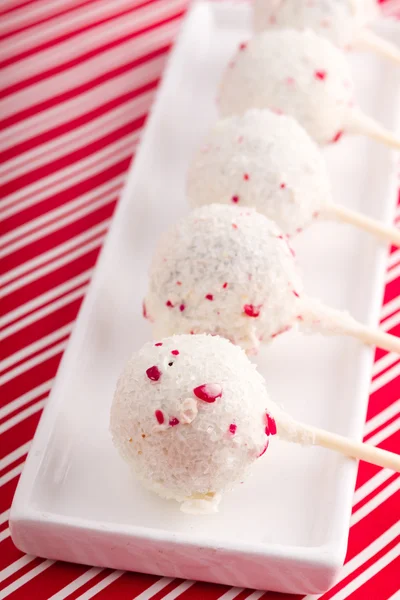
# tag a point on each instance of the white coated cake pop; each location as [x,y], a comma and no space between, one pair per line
[226,271]
[338,20]
[296,73]
[191,414]
[262,160]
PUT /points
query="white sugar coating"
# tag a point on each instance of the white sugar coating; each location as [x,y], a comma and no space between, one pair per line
[262,160]
[297,73]
[338,20]
[227,271]
[214,443]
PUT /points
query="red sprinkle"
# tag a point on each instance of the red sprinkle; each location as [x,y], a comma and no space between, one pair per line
[179,283]
[252,311]
[159,416]
[246,176]
[232,428]
[169,304]
[316,214]
[144,311]
[175,352]
[337,137]
[209,297]
[235,199]
[283,330]
[320,75]
[182,307]
[264,449]
[208,392]
[243,46]
[158,344]
[225,285]
[295,293]
[234,226]
[173,422]
[153,373]
[271,425]
[283,185]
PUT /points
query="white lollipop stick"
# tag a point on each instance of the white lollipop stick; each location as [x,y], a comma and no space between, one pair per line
[385,232]
[331,320]
[368,40]
[350,447]
[358,122]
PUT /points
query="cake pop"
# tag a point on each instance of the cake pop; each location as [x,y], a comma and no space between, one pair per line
[268,161]
[230,271]
[191,414]
[300,74]
[343,22]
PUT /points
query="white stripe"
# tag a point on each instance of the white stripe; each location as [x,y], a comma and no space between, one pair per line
[363,577]
[11,474]
[384,379]
[47,297]
[16,566]
[153,589]
[66,51]
[26,17]
[362,557]
[112,186]
[15,455]
[87,15]
[383,434]
[39,344]
[393,274]
[382,417]
[82,103]
[384,362]
[4,517]
[33,362]
[21,416]
[390,307]
[74,585]
[43,312]
[100,586]
[70,247]
[394,258]
[231,594]
[25,398]
[182,587]
[255,596]
[15,585]
[391,322]
[377,500]
[4,534]
[371,485]
[71,175]
[396,596]
[59,223]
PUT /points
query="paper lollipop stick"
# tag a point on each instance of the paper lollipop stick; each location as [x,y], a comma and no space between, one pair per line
[346,215]
[368,40]
[358,122]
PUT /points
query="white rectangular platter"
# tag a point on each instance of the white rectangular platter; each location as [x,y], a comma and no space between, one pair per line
[286,529]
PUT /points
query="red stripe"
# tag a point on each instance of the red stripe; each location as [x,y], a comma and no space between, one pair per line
[202,590]
[366,471]
[42,396]
[382,586]
[126,587]
[16,6]
[72,124]
[168,588]
[25,569]
[386,369]
[381,427]
[91,23]
[359,570]
[8,552]
[48,582]
[82,58]
[383,398]
[42,20]
[21,433]
[6,496]
[375,492]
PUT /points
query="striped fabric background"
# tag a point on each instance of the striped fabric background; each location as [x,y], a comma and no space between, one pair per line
[77,79]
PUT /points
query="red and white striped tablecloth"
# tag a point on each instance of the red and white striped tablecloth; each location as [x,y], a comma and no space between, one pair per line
[77,79]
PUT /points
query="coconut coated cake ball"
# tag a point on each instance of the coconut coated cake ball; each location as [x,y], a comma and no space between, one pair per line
[296,73]
[190,415]
[338,20]
[262,160]
[224,270]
